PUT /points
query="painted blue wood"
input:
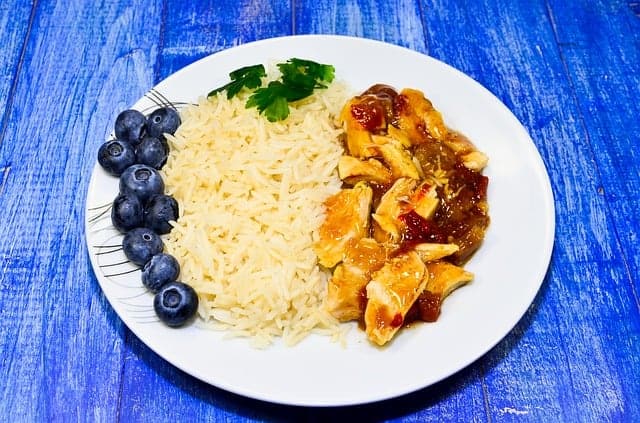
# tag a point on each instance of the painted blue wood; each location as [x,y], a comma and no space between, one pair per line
[62,345]
[568,71]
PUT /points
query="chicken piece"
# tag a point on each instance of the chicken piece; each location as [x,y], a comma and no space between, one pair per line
[425,200]
[358,141]
[399,136]
[392,204]
[390,294]
[432,251]
[397,158]
[346,295]
[347,219]
[417,117]
[353,170]
[359,117]
[475,160]
[458,143]
[444,278]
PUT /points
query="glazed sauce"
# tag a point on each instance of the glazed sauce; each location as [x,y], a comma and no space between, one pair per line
[461,215]
[426,308]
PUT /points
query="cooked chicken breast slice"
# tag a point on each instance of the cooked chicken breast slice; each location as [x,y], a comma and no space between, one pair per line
[346,220]
[398,160]
[425,200]
[358,137]
[392,204]
[444,278]
[418,118]
[432,251]
[475,160]
[353,170]
[390,293]
[346,295]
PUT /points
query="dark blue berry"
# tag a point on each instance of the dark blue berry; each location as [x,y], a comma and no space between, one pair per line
[130,125]
[159,210]
[115,156]
[163,121]
[160,270]
[152,152]
[140,244]
[127,212]
[175,303]
[142,181]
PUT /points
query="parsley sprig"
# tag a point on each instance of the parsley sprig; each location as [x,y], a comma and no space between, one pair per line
[248,76]
[298,79]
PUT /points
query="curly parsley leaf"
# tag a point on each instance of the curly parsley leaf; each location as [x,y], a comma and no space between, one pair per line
[306,73]
[298,79]
[248,76]
[272,100]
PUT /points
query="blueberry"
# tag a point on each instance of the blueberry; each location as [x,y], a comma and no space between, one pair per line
[140,244]
[158,211]
[130,126]
[127,212]
[152,152]
[115,156]
[160,270]
[175,303]
[163,121]
[142,181]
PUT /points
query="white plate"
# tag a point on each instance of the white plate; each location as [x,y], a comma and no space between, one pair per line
[509,268]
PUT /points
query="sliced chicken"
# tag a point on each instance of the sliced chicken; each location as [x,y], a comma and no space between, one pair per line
[398,160]
[444,278]
[390,294]
[392,204]
[399,136]
[346,296]
[475,160]
[359,117]
[347,220]
[459,143]
[432,251]
[353,170]
[417,117]
[425,200]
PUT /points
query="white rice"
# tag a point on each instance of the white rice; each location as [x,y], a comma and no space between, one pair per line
[250,195]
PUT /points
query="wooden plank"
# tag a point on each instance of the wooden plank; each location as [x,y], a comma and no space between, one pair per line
[14,29]
[197,29]
[599,47]
[18,331]
[561,346]
[396,22]
[604,68]
[62,342]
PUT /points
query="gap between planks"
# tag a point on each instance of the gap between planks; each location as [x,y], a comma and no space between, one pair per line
[4,176]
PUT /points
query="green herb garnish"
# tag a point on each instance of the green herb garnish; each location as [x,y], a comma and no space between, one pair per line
[249,76]
[298,79]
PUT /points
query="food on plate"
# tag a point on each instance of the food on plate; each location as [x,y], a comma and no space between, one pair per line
[142,212]
[298,80]
[412,211]
[329,209]
[251,193]
[176,303]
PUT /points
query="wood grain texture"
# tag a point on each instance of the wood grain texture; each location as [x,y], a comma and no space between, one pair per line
[62,343]
[568,71]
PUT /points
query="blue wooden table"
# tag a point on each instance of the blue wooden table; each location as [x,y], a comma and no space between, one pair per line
[569,71]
